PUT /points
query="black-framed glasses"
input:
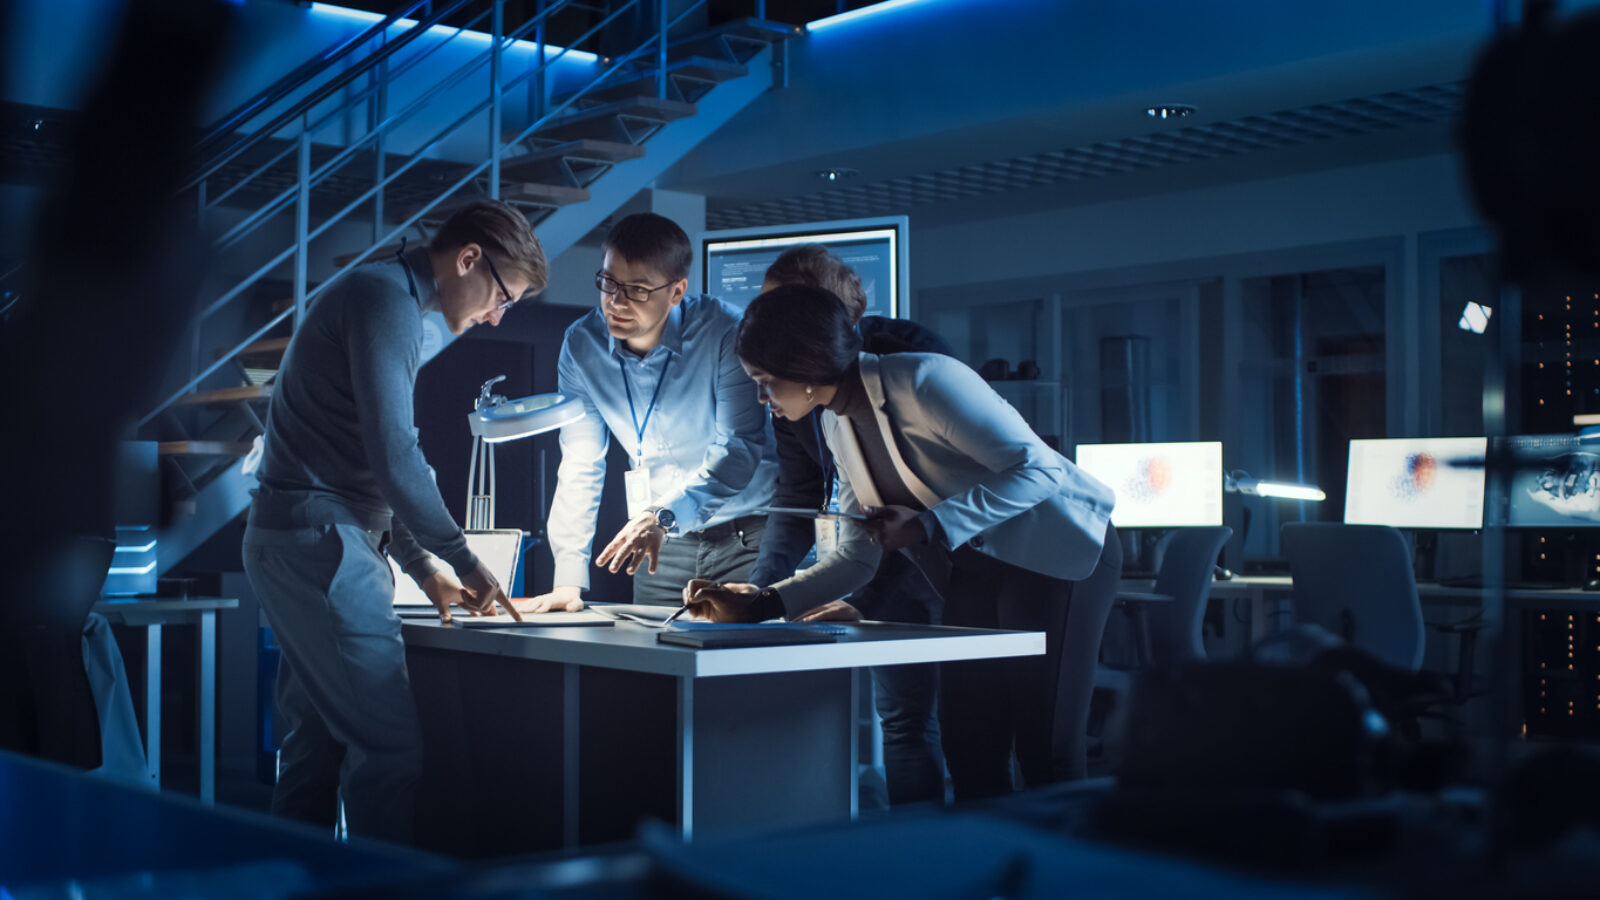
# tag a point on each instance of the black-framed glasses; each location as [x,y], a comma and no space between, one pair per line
[510,300]
[636,293]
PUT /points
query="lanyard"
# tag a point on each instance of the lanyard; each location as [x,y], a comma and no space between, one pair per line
[824,459]
[638,426]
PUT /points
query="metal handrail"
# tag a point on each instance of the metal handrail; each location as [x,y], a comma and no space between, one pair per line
[298,78]
[498,149]
[310,101]
[285,197]
[357,98]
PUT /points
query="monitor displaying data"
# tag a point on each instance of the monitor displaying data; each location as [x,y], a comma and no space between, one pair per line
[1159,485]
[1555,482]
[734,261]
[1416,482]
[498,548]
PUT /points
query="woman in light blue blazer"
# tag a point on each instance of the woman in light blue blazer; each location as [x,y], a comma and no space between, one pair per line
[1010,533]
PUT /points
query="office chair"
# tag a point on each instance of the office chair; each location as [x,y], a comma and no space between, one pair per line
[1166,623]
[1356,582]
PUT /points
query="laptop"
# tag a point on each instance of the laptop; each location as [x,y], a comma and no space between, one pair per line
[498,548]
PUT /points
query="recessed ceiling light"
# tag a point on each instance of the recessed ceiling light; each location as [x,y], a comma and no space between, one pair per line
[1170,111]
[838,173]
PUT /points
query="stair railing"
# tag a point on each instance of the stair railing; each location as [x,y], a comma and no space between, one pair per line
[308,178]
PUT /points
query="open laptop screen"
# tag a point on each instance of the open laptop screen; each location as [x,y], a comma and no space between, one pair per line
[497,548]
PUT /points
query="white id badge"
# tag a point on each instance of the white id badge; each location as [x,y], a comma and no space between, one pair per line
[827,536]
[636,483]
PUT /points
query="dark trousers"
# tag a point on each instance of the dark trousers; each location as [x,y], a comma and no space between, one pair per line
[343,694]
[907,696]
[1038,705]
[725,552]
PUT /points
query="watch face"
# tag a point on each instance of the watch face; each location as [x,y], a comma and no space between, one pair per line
[665,518]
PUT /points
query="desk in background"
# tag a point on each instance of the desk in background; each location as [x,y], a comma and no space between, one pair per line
[151,615]
[541,738]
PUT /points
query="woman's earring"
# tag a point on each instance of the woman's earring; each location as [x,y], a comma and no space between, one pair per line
[808,392]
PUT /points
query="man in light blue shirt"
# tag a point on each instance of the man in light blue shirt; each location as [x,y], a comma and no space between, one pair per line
[657,369]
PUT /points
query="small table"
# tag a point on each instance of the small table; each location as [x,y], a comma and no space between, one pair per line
[151,614]
[540,738]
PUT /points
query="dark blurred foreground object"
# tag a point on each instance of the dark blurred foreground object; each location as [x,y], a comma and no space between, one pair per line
[1285,764]
[106,288]
[1529,137]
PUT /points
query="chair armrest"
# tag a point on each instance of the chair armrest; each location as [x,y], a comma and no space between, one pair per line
[1141,597]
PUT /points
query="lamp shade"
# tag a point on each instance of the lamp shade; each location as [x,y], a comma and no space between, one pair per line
[525,417]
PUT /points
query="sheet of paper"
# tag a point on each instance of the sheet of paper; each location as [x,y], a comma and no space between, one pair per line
[466,620]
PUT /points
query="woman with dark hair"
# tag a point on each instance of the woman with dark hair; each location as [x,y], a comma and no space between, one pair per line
[1011,533]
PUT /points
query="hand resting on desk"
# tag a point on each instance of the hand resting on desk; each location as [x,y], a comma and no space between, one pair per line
[562,598]
[730,602]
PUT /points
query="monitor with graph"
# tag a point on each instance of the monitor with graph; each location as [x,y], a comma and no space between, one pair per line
[498,548]
[1170,485]
[734,261]
[1434,483]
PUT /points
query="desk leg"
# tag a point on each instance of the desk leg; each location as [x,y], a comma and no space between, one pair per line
[207,749]
[570,757]
[152,704]
[763,752]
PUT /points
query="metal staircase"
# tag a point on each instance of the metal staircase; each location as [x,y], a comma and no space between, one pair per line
[290,160]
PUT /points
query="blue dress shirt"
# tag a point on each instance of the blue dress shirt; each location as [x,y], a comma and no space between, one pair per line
[708,442]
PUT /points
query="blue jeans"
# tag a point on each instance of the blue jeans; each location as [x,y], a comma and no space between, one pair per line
[343,696]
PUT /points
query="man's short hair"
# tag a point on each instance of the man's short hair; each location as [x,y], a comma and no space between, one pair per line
[647,239]
[816,265]
[504,234]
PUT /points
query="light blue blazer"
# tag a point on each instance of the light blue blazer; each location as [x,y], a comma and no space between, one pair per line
[973,461]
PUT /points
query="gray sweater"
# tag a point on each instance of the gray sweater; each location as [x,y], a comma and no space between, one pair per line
[340,425]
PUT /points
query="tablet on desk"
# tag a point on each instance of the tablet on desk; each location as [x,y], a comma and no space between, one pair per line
[529,620]
[703,638]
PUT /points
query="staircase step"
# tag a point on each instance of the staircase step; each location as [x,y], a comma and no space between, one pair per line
[204,448]
[702,69]
[601,121]
[267,347]
[746,37]
[545,165]
[279,306]
[227,396]
[544,196]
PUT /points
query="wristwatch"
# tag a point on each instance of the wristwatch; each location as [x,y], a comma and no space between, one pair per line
[665,518]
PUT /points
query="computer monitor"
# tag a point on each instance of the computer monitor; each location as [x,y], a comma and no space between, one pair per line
[498,548]
[1159,485]
[1416,482]
[734,261]
[1554,482]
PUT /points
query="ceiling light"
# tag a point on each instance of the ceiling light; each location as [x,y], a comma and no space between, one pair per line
[836,174]
[1170,111]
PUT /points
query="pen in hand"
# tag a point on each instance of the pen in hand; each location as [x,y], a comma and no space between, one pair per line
[675,614]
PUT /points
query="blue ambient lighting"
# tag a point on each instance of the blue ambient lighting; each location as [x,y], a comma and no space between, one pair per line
[361,15]
[1475,318]
[145,549]
[132,570]
[858,14]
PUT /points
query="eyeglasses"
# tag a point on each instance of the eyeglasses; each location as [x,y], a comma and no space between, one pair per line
[510,300]
[636,293]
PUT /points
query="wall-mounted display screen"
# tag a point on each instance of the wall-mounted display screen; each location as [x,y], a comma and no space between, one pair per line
[734,261]
[1159,485]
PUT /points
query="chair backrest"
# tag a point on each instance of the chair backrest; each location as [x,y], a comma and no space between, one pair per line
[1187,571]
[1356,582]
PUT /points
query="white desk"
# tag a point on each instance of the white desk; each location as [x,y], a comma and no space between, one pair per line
[150,615]
[538,738]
